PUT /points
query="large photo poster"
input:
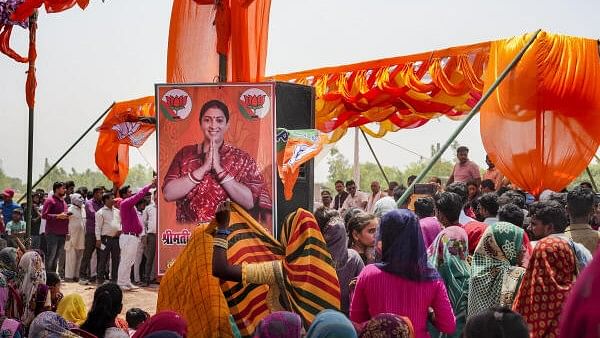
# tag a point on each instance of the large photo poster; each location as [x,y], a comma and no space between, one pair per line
[215,142]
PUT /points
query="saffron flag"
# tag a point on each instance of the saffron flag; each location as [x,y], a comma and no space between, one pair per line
[294,148]
[125,125]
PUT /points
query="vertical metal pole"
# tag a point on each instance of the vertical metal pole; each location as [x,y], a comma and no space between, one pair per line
[466,121]
[356,166]
[375,156]
[587,169]
[31,75]
[222,68]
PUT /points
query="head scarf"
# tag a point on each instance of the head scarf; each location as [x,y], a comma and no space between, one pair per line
[280,324]
[336,238]
[495,274]
[448,254]
[331,324]
[474,231]
[10,327]
[76,199]
[72,308]
[546,285]
[384,205]
[162,321]
[346,268]
[388,325]
[8,263]
[403,251]
[51,325]
[31,273]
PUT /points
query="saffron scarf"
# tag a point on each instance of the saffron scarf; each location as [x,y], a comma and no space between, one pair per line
[546,285]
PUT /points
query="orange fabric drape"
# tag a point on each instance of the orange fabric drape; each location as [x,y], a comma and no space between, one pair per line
[540,127]
[396,93]
[198,30]
[52,6]
[120,129]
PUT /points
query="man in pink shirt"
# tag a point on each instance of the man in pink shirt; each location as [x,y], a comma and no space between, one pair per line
[465,169]
[130,237]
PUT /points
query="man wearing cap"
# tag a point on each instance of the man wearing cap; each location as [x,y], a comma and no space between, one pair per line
[130,237]
[8,206]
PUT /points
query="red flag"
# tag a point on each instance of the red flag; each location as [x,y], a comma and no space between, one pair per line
[52,6]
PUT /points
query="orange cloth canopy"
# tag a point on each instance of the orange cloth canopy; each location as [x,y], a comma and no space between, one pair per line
[396,93]
[540,127]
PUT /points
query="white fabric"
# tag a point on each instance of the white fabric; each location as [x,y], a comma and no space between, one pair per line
[76,228]
[149,219]
[463,218]
[138,260]
[129,245]
[72,262]
[372,200]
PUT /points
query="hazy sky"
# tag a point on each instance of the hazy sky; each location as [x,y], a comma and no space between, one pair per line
[116,50]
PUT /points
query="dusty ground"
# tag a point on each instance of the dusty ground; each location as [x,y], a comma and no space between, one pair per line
[144,298]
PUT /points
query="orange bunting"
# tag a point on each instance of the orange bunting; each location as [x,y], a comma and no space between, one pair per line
[125,125]
[396,93]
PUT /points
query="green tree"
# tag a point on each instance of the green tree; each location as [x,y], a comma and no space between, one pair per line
[339,167]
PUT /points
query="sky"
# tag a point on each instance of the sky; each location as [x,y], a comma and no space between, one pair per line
[116,50]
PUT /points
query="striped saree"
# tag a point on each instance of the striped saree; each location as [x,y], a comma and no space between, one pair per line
[308,284]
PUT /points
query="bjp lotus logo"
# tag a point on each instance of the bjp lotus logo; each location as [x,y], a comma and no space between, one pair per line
[176,104]
[254,104]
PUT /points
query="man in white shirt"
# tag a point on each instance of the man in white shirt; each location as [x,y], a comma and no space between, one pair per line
[107,238]
[149,222]
[376,195]
[355,199]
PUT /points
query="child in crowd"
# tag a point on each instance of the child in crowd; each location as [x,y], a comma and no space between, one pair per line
[135,317]
[15,228]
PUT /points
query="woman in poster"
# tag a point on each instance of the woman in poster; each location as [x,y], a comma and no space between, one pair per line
[205,174]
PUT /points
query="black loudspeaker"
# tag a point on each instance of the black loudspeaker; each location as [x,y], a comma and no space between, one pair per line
[295,109]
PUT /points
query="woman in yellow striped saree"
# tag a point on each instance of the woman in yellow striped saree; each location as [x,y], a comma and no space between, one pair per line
[295,274]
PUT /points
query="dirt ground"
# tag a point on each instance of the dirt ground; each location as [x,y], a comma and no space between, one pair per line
[143,298]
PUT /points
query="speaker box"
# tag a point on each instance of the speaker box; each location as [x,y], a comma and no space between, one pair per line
[295,109]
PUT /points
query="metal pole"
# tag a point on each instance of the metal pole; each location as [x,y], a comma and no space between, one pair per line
[68,150]
[466,121]
[31,74]
[222,67]
[29,210]
[375,156]
[356,167]
[587,169]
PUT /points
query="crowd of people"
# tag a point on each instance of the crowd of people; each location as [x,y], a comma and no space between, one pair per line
[79,236]
[475,258]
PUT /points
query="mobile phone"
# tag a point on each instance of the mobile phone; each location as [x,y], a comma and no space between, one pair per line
[425,188]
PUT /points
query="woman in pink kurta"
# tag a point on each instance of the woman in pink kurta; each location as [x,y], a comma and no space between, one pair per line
[404,283]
